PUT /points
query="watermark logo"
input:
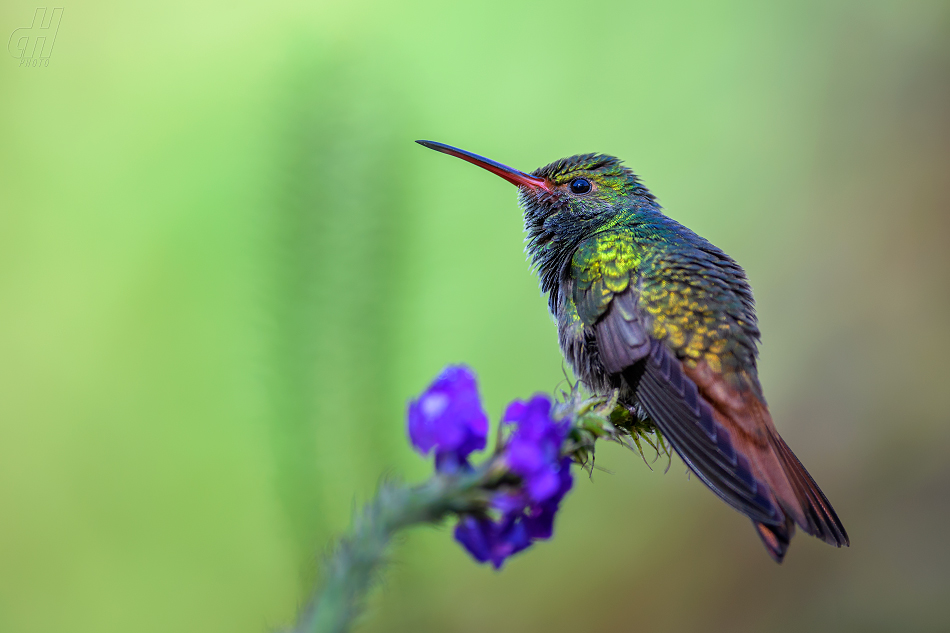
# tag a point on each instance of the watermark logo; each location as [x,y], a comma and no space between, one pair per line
[33,44]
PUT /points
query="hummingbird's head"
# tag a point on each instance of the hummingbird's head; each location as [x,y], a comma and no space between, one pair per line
[568,200]
[581,195]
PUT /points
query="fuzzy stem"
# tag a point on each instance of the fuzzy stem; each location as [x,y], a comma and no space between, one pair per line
[353,566]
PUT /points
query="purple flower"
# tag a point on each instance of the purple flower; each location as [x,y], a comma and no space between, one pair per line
[539,520]
[533,452]
[488,540]
[449,418]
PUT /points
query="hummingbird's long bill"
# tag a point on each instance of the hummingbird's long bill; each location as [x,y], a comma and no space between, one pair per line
[515,177]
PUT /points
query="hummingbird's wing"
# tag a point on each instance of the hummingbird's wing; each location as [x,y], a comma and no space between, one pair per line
[747,417]
[704,337]
[681,331]
[689,422]
[606,295]
[740,424]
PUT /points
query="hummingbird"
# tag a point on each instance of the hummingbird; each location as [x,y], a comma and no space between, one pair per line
[647,307]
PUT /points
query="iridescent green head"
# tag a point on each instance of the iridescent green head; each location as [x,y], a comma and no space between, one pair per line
[582,194]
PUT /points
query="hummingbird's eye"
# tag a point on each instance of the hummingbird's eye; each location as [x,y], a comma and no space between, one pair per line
[580,185]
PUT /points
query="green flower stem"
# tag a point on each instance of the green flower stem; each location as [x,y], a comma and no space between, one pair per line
[354,565]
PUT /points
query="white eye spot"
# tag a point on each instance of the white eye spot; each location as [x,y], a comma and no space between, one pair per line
[434,404]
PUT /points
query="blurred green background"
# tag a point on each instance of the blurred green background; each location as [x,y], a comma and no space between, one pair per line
[225,267]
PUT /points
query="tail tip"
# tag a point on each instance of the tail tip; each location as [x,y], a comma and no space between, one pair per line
[776,539]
